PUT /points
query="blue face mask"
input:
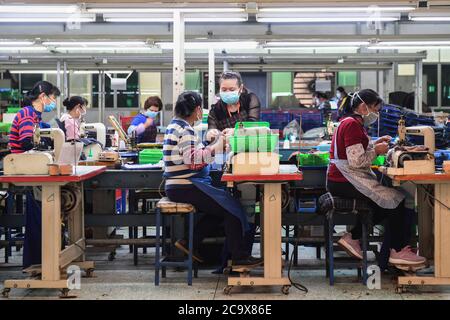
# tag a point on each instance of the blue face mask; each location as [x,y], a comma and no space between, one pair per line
[151,114]
[230,97]
[50,106]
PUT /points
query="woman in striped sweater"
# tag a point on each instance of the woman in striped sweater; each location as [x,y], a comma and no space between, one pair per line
[187,177]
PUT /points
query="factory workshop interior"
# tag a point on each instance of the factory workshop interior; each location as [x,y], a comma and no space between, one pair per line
[224,150]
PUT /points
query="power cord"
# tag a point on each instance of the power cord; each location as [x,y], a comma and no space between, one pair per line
[431,196]
[296,285]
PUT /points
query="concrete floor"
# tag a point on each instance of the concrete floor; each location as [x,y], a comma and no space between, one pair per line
[120,279]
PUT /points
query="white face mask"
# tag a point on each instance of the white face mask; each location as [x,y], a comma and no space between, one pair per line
[338,95]
[370,117]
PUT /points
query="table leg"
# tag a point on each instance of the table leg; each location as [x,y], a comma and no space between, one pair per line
[76,222]
[51,232]
[442,230]
[272,230]
[425,223]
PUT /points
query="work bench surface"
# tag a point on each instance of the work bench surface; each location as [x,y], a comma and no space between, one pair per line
[431,177]
[279,177]
[82,173]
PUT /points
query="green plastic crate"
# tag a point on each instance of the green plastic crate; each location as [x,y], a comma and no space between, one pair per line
[12,109]
[318,159]
[264,143]
[252,124]
[5,127]
[379,161]
[150,156]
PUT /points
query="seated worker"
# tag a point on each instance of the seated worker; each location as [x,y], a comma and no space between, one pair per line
[41,98]
[343,104]
[350,176]
[236,104]
[322,103]
[144,124]
[187,180]
[76,109]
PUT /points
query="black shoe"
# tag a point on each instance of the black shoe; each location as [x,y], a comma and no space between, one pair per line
[246,263]
[182,245]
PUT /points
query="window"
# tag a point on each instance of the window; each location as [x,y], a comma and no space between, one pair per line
[282,84]
[27,81]
[193,81]
[445,85]
[347,79]
[149,85]
[430,84]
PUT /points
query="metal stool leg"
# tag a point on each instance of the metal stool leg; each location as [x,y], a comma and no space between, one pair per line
[164,247]
[330,249]
[157,245]
[364,249]
[135,247]
[327,260]
[191,246]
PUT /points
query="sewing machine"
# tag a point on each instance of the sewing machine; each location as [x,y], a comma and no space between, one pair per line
[94,150]
[251,153]
[405,159]
[130,142]
[36,161]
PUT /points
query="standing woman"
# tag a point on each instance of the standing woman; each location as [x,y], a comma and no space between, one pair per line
[343,104]
[41,98]
[144,124]
[350,176]
[236,104]
[187,177]
[76,109]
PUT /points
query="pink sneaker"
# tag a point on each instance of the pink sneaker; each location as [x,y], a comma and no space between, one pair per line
[351,246]
[406,257]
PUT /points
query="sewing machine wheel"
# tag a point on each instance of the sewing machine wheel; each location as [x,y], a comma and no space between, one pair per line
[285,289]
[404,157]
[70,197]
[5,292]
[227,290]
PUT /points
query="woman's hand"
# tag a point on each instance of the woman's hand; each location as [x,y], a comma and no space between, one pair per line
[381,148]
[386,139]
[148,122]
[212,134]
[219,144]
[228,132]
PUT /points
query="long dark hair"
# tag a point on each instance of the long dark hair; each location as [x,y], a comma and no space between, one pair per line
[40,87]
[367,96]
[186,103]
[73,101]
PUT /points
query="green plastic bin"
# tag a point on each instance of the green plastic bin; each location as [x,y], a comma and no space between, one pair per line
[150,156]
[252,124]
[5,127]
[317,159]
[379,161]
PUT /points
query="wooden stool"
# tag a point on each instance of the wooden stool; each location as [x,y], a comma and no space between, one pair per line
[330,205]
[166,207]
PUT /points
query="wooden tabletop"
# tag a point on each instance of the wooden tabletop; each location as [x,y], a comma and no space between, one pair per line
[82,173]
[279,177]
[433,177]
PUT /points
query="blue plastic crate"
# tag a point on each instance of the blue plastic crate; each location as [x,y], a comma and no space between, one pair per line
[307,205]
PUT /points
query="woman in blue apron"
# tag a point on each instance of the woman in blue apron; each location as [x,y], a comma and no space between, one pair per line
[187,180]
[42,98]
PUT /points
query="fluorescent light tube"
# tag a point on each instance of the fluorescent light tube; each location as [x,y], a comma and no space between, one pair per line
[164,10]
[338,9]
[214,45]
[325,20]
[275,44]
[16,43]
[31,71]
[39,9]
[23,48]
[435,19]
[46,19]
[414,43]
[123,48]
[93,43]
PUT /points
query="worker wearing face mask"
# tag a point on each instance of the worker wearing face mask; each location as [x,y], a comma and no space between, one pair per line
[71,120]
[187,177]
[350,176]
[343,104]
[145,123]
[41,98]
[236,104]
[322,103]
